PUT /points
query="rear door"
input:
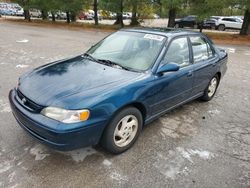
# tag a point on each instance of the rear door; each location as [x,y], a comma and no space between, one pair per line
[204,63]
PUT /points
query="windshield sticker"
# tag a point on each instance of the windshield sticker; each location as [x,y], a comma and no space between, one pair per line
[154,37]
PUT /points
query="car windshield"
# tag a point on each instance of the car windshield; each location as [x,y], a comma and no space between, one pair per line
[132,50]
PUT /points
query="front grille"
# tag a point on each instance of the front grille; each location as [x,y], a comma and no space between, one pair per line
[27,103]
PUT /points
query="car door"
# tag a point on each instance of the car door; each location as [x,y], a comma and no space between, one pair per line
[238,23]
[204,63]
[172,88]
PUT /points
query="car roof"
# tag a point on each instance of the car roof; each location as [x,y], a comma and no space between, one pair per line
[167,32]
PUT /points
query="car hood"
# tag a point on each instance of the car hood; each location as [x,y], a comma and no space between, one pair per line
[50,84]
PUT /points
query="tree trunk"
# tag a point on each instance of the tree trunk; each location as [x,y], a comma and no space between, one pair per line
[96,12]
[73,16]
[134,20]
[119,15]
[53,17]
[26,15]
[201,27]
[44,14]
[245,30]
[171,17]
[68,17]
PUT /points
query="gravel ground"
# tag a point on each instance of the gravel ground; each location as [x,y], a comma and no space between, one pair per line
[196,145]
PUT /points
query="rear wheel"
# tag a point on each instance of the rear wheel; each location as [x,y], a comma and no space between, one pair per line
[211,89]
[123,131]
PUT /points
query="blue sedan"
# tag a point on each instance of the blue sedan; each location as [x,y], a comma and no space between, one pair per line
[106,95]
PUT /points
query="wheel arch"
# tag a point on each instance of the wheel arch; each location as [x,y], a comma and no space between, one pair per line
[140,106]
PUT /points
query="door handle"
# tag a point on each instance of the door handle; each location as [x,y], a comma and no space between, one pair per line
[190,74]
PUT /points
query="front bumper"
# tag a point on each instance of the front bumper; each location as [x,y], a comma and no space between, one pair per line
[53,133]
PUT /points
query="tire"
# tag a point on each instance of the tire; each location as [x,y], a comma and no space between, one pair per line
[211,89]
[177,26]
[221,27]
[113,139]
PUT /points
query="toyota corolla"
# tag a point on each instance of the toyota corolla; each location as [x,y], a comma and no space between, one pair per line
[108,94]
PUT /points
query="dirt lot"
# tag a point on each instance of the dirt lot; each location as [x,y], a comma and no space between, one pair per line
[196,145]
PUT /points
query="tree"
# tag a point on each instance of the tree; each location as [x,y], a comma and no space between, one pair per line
[26,6]
[134,20]
[114,6]
[246,23]
[72,8]
[96,11]
[173,6]
[206,8]
[245,5]
[140,9]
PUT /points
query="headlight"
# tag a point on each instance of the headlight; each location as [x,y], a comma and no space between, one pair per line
[66,116]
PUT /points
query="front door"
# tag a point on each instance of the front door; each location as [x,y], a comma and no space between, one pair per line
[172,88]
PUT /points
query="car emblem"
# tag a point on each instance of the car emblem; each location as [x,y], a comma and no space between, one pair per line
[24,100]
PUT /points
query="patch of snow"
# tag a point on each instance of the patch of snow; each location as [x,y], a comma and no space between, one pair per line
[22,41]
[231,50]
[38,152]
[11,177]
[214,112]
[80,154]
[22,66]
[106,162]
[19,163]
[175,163]
[202,154]
[5,166]
[185,154]
[4,107]
[118,177]
[14,186]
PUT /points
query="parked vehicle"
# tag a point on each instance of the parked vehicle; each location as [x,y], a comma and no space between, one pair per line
[127,15]
[209,24]
[124,82]
[35,13]
[61,15]
[89,15]
[20,12]
[86,16]
[189,21]
[7,12]
[229,23]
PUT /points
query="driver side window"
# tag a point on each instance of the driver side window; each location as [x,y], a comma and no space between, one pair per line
[178,52]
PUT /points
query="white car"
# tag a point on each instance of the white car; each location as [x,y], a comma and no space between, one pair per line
[20,12]
[224,23]
[35,13]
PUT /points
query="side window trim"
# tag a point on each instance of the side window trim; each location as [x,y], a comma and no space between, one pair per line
[189,49]
[207,44]
[211,48]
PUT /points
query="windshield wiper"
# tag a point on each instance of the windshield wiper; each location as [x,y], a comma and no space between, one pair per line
[106,62]
[90,57]
[112,63]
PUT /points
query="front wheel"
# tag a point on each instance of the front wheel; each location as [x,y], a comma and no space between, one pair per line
[221,27]
[123,131]
[211,89]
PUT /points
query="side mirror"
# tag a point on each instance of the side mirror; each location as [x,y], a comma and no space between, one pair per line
[169,67]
